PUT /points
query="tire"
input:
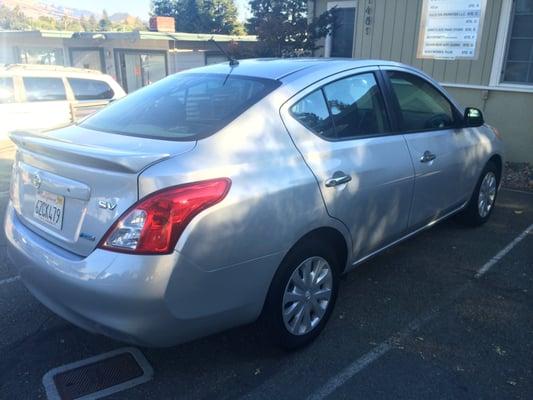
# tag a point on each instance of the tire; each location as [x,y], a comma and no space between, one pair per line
[285,298]
[474,214]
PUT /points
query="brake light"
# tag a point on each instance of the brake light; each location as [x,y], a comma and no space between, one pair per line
[155,223]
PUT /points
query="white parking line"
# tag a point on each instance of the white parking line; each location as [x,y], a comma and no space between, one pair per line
[9,280]
[485,268]
[376,353]
[380,350]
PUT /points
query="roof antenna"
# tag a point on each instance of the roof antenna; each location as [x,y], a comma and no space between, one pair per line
[232,61]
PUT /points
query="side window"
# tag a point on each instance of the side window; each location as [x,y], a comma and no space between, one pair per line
[312,112]
[422,106]
[44,89]
[356,106]
[7,91]
[90,89]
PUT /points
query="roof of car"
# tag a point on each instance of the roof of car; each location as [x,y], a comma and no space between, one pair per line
[42,67]
[48,71]
[278,68]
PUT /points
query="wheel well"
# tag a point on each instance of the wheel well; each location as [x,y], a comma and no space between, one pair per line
[497,160]
[334,238]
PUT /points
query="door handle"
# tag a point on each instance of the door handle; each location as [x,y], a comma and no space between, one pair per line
[337,179]
[427,156]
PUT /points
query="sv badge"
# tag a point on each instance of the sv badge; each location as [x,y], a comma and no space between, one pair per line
[107,204]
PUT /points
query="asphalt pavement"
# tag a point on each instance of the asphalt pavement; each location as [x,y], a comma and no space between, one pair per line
[412,323]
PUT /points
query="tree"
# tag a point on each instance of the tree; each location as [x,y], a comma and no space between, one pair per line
[105,23]
[13,19]
[201,16]
[283,28]
[91,25]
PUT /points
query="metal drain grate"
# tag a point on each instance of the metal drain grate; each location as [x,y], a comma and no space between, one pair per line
[98,376]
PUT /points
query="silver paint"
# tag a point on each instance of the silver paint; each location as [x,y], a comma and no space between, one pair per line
[220,272]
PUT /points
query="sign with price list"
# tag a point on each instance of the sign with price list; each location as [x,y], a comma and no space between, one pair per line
[451,29]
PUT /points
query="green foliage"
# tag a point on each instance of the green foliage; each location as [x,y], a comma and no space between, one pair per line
[104,24]
[201,16]
[15,20]
[283,28]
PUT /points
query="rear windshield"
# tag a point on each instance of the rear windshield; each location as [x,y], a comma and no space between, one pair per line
[182,106]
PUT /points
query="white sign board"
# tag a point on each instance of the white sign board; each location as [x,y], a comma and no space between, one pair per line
[451,29]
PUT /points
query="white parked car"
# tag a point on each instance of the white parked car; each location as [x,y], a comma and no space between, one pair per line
[42,97]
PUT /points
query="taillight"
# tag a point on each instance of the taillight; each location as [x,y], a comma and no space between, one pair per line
[155,223]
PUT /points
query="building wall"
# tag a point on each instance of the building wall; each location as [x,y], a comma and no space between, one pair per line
[392,34]
[510,112]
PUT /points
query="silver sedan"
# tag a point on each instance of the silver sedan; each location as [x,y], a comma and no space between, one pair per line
[231,192]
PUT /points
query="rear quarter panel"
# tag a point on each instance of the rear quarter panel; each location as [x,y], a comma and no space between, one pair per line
[274,199]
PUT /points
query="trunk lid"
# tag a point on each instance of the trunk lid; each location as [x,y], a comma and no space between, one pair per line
[70,185]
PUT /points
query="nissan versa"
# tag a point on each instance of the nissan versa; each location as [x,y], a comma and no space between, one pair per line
[231,192]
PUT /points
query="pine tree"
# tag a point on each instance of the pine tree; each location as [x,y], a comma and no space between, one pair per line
[283,28]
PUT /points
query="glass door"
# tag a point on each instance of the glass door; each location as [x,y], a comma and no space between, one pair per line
[140,68]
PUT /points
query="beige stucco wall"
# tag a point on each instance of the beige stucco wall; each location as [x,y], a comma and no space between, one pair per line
[510,112]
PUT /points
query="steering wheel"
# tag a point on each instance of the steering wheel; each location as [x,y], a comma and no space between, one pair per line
[437,121]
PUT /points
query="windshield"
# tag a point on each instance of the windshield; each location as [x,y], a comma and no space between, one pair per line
[182,106]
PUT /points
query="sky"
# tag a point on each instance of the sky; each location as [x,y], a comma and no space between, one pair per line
[137,8]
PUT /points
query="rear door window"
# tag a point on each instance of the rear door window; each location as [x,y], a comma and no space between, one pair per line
[356,106]
[421,105]
[44,89]
[182,107]
[7,91]
[90,89]
[312,112]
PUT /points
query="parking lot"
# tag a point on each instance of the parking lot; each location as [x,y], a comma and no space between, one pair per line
[414,322]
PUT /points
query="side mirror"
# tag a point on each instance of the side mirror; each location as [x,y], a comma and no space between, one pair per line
[473,117]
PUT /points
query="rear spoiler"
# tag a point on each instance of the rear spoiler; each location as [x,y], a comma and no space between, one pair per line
[88,155]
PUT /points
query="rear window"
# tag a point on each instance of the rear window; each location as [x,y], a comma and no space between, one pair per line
[90,89]
[44,89]
[182,107]
[7,91]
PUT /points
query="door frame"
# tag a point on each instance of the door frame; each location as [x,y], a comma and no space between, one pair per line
[118,52]
[329,37]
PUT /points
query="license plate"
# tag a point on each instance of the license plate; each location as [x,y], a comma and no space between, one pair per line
[49,208]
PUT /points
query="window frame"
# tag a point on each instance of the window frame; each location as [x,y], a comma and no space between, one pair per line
[22,58]
[24,90]
[395,105]
[512,17]
[72,50]
[364,70]
[73,93]
[329,37]
[500,53]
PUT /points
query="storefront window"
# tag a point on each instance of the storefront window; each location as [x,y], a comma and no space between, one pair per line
[41,55]
[87,58]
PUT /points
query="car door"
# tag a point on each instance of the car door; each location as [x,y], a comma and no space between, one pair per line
[45,104]
[441,150]
[365,173]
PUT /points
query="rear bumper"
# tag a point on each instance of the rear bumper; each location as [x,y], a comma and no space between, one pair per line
[147,300]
